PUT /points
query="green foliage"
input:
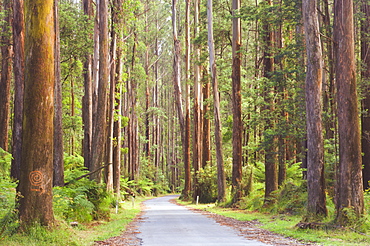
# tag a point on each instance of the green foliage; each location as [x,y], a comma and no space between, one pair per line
[37,235]
[127,186]
[75,32]
[82,200]
[331,159]
[290,198]
[72,204]
[207,182]
[8,212]
[5,162]
[255,199]
[144,186]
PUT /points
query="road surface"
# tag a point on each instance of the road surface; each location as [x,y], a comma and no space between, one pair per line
[169,224]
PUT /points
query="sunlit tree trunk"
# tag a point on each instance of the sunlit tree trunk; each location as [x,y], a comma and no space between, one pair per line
[178,98]
[237,101]
[349,175]
[316,203]
[99,130]
[206,138]
[35,184]
[111,102]
[221,181]
[197,126]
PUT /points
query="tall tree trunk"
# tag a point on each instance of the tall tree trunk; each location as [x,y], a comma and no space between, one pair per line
[237,102]
[117,132]
[147,144]
[329,100]
[117,135]
[316,203]
[99,131]
[271,182]
[206,143]
[197,126]
[221,181]
[58,177]
[178,96]
[35,184]
[111,104]
[130,112]
[349,179]
[365,73]
[6,71]
[187,98]
[87,108]
[18,46]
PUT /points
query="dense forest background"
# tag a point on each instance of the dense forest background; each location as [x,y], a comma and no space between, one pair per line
[219,104]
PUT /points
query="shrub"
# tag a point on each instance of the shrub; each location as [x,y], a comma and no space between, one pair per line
[8,212]
[207,181]
[82,200]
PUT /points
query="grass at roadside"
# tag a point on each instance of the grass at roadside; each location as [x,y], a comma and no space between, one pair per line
[83,234]
[286,225]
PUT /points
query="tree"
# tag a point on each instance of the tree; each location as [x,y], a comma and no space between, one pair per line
[130,112]
[87,110]
[58,152]
[99,129]
[117,131]
[316,204]
[18,47]
[197,125]
[112,98]
[365,74]
[349,187]
[271,180]
[221,181]
[35,184]
[5,78]
[206,148]
[178,97]
[237,101]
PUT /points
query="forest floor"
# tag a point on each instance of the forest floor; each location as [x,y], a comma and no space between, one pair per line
[248,229]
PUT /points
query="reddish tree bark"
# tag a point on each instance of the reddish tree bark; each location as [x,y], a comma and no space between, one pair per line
[316,204]
[35,184]
[237,102]
[349,186]
[99,130]
[6,71]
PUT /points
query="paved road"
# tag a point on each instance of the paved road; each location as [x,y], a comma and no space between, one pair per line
[167,224]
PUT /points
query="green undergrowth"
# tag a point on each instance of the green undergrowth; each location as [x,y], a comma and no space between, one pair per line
[285,224]
[80,235]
